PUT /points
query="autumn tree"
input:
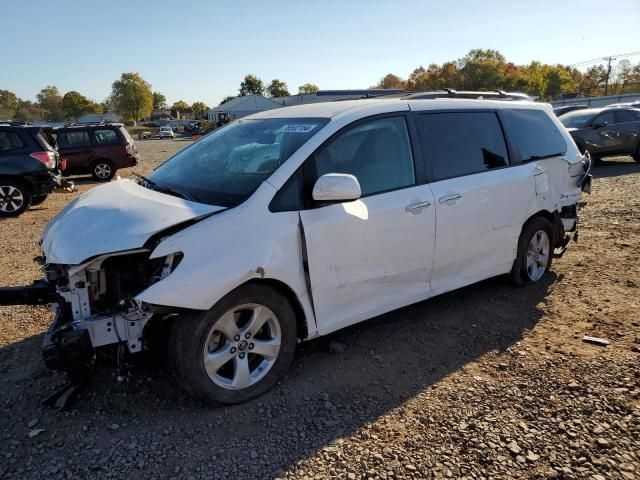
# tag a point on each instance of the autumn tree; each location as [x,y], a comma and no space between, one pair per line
[251,85]
[75,105]
[199,110]
[277,88]
[8,104]
[159,101]
[307,88]
[390,81]
[132,96]
[180,105]
[482,69]
[50,101]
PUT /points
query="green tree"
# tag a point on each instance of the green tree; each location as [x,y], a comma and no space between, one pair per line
[199,110]
[482,69]
[277,88]
[75,105]
[50,101]
[390,81]
[8,104]
[307,88]
[180,105]
[159,101]
[226,99]
[132,96]
[251,85]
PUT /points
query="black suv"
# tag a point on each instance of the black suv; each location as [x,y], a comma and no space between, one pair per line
[28,168]
[605,132]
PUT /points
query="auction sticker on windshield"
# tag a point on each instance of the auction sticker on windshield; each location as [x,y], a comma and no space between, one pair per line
[296,128]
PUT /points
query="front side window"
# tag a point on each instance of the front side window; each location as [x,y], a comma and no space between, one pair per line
[462,143]
[377,153]
[535,134]
[106,136]
[9,141]
[73,139]
[624,116]
[225,167]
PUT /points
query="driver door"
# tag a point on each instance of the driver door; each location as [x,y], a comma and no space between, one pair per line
[372,255]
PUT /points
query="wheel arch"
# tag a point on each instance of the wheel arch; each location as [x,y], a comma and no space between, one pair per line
[17,178]
[554,219]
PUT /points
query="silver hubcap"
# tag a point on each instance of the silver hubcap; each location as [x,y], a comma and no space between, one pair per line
[103,170]
[538,255]
[242,346]
[11,199]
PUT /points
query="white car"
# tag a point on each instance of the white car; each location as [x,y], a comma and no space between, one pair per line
[165,132]
[296,222]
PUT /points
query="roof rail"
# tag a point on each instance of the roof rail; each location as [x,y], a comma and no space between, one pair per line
[477,95]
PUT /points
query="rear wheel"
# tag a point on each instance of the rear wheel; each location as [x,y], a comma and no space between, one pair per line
[237,350]
[103,170]
[15,198]
[535,251]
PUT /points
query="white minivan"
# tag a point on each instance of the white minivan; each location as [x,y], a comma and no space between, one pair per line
[295,222]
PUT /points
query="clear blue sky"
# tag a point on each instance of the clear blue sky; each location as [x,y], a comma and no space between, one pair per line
[201,50]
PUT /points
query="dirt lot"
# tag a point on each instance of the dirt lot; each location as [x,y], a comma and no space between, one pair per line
[487,382]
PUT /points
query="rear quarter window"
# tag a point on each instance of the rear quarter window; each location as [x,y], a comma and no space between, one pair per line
[535,134]
[10,141]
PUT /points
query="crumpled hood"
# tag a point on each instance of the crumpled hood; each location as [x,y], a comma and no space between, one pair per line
[119,215]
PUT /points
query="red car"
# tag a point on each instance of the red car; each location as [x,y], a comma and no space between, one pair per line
[98,149]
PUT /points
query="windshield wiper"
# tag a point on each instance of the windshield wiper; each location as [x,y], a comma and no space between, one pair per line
[151,185]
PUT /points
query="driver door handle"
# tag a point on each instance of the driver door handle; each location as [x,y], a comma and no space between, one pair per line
[449,199]
[417,207]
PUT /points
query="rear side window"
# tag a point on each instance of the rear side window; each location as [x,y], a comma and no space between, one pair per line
[73,139]
[462,143]
[106,136]
[10,141]
[535,134]
[624,116]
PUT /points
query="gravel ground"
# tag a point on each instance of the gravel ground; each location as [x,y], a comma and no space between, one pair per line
[490,381]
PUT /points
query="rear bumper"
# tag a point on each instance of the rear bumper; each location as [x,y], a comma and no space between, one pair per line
[42,183]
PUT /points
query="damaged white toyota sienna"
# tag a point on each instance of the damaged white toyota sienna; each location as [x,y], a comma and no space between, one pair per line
[293,223]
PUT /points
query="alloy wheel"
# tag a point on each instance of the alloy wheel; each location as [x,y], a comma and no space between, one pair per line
[538,253]
[103,170]
[11,199]
[242,346]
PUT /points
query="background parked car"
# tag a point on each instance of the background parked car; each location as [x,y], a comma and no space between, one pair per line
[99,149]
[605,132]
[27,167]
[568,108]
[165,132]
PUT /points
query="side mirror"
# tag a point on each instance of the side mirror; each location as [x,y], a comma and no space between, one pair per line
[336,187]
[595,126]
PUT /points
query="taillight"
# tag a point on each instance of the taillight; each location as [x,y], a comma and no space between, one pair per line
[63,164]
[129,149]
[48,158]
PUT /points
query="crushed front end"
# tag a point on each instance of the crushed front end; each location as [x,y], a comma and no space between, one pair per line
[94,305]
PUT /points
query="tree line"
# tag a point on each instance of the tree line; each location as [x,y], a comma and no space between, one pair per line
[131,97]
[489,70]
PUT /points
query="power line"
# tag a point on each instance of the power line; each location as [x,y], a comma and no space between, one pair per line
[600,59]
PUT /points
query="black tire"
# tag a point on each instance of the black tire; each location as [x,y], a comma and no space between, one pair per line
[190,334]
[519,272]
[38,200]
[15,197]
[103,170]
[636,156]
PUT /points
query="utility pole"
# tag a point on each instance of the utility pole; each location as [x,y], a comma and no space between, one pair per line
[606,83]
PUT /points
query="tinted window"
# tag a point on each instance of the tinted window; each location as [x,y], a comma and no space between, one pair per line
[577,119]
[73,139]
[535,134]
[624,116]
[106,136]
[606,117]
[377,153]
[462,143]
[9,141]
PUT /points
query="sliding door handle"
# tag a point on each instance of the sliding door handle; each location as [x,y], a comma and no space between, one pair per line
[450,199]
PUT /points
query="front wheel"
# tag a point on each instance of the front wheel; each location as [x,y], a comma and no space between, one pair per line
[535,251]
[15,198]
[238,349]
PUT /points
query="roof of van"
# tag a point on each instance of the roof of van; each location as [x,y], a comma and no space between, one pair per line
[332,109]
